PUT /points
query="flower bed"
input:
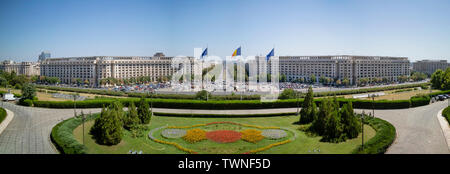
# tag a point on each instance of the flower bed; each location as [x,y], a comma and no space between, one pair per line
[252,135]
[223,136]
[274,134]
[195,135]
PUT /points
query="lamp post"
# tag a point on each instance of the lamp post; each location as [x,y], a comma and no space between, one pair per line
[373,105]
[296,96]
[362,130]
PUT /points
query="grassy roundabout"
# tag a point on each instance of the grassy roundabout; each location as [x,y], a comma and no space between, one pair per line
[302,144]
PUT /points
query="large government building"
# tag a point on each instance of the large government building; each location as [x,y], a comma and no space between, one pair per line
[430,66]
[93,69]
[20,68]
[344,66]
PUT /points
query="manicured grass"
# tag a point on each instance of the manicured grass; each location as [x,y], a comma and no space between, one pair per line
[303,144]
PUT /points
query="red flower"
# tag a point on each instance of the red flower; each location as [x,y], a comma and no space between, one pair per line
[223,136]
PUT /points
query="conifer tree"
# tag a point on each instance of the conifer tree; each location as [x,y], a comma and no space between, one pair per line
[308,111]
[131,119]
[144,112]
[351,125]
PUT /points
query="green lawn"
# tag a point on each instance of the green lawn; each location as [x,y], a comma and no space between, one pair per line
[303,144]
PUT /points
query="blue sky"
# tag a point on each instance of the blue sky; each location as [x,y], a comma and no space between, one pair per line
[412,28]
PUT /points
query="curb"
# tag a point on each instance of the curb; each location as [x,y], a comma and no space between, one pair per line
[445,127]
[5,122]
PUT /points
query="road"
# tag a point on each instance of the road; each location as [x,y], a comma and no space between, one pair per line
[418,130]
[29,131]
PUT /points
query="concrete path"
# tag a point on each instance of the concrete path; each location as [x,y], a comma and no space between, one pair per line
[29,131]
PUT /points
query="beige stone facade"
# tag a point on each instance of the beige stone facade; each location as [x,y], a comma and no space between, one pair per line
[22,68]
[93,69]
[343,66]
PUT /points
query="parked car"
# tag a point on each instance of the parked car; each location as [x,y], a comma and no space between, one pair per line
[441,97]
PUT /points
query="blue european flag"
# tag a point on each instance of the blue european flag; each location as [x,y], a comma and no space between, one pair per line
[205,53]
[270,54]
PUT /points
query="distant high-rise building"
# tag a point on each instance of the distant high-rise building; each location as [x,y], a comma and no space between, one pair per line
[44,55]
[430,66]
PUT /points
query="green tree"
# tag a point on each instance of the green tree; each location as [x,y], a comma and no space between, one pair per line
[107,128]
[28,91]
[333,128]
[144,111]
[437,78]
[346,82]
[312,79]
[131,119]
[446,80]
[350,124]
[309,108]
[288,93]
[202,95]
[318,124]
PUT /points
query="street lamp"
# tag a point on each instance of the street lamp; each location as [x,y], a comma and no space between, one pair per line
[373,105]
[297,96]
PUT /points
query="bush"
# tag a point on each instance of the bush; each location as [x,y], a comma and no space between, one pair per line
[2,114]
[446,114]
[63,138]
[420,100]
[384,137]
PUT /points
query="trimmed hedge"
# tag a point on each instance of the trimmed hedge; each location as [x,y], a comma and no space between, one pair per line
[446,114]
[63,138]
[221,104]
[222,115]
[2,114]
[384,137]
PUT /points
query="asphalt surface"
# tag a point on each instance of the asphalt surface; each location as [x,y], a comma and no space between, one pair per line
[29,131]
[418,129]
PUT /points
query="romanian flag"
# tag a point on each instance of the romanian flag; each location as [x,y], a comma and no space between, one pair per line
[237,52]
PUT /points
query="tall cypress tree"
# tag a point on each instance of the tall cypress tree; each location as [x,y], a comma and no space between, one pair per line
[131,119]
[308,111]
[350,124]
[144,112]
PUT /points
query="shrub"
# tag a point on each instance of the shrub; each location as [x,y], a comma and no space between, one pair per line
[384,137]
[446,114]
[420,100]
[195,135]
[63,139]
[2,114]
[252,135]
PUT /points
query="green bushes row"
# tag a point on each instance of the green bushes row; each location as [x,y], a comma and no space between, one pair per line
[63,138]
[2,114]
[446,114]
[230,104]
[222,115]
[384,137]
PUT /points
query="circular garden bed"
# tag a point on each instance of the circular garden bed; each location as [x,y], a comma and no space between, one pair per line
[222,137]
